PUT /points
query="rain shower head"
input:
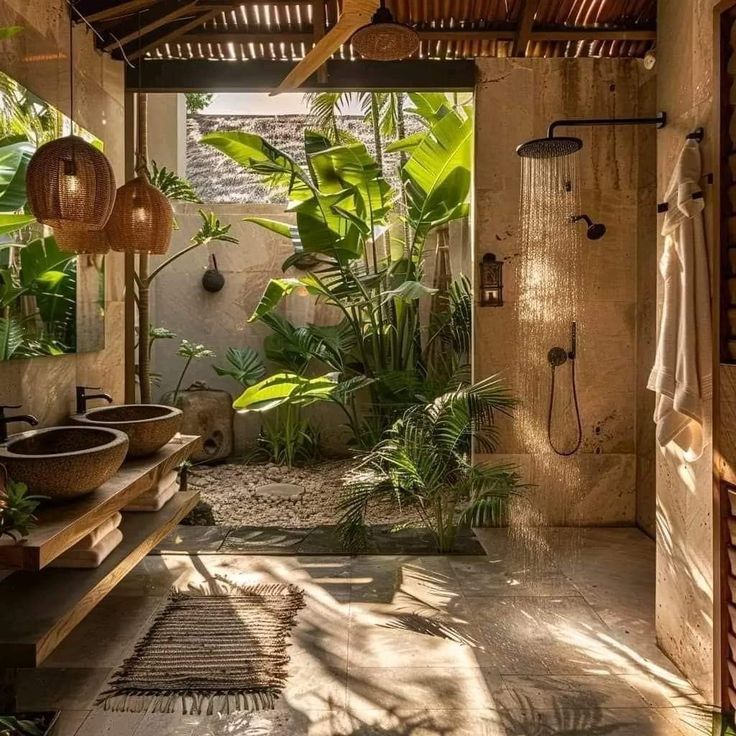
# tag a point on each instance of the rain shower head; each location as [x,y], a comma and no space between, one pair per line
[549,147]
[552,147]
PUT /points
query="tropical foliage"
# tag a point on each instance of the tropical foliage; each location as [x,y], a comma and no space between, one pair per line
[38,282]
[17,509]
[423,465]
[346,215]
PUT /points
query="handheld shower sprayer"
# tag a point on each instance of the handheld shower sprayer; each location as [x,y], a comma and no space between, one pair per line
[556,357]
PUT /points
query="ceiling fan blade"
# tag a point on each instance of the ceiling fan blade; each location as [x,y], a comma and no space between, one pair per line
[355,14]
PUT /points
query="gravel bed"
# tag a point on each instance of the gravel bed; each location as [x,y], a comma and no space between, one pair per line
[230,492]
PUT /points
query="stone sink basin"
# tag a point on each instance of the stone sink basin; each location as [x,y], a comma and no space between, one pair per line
[64,462]
[148,426]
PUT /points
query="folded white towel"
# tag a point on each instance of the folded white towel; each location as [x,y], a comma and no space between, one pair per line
[99,533]
[91,557]
[156,499]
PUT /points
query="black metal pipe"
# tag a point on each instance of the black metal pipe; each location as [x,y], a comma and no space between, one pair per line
[660,120]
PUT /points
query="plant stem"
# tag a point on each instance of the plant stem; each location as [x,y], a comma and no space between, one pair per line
[181,378]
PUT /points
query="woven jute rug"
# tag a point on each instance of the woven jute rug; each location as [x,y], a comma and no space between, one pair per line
[217,648]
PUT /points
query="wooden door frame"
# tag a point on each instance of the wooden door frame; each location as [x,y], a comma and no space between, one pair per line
[721,509]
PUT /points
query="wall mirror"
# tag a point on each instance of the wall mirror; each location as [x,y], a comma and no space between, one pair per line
[51,302]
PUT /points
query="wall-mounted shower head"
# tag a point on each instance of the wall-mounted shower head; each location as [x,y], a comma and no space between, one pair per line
[595,231]
[556,147]
[549,147]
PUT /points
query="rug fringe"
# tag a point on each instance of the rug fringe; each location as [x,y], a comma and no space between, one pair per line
[186,702]
[222,585]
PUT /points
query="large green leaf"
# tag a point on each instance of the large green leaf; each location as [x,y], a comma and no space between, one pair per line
[243,364]
[409,291]
[11,337]
[9,223]
[280,228]
[276,290]
[14,157]
[437,175]
[256,154]
[351,166]
[286,388]
[41,256]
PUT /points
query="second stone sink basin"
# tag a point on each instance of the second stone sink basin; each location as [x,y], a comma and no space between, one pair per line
[148,426]
[64,462]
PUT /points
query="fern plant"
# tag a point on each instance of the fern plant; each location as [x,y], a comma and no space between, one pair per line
[423,464]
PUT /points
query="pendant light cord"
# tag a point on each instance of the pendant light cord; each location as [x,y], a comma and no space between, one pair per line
[141,156]
[71,66]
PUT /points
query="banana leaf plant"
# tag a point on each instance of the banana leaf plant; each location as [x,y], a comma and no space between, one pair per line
[344,208]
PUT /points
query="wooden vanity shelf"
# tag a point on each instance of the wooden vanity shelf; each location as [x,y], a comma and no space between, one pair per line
[60,527]
[41,608]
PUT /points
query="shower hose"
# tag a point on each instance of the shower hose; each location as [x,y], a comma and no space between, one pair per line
[579,442]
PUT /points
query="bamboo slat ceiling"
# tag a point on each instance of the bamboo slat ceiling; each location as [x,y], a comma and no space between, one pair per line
[284,30]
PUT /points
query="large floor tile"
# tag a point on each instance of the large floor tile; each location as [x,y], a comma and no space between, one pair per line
[395,689]
[508,575]
[569,692]
[531,721]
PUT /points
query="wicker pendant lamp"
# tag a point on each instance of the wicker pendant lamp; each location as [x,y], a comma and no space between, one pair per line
[70,183]
[142,219]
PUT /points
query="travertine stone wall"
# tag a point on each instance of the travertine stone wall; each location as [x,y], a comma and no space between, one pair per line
[39,59]
[685,88]
[516,100]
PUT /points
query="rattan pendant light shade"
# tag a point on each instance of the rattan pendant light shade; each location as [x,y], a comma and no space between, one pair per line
[383,39]
[142,219]
[70,185]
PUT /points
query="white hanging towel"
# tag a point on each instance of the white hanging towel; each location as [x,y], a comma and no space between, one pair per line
[682,374]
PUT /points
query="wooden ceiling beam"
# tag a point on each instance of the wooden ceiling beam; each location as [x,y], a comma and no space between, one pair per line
[319,26]
[202,75]
[171,34]
[594,34]
[524,27]
[115,10]
[170,12]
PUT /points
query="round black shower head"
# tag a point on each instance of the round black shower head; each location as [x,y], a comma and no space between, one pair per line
[596,231]
[549,147]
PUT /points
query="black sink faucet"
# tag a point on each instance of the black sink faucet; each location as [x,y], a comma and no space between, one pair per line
[83,397]
[4,421]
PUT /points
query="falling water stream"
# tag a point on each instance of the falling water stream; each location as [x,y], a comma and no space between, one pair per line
[548,303]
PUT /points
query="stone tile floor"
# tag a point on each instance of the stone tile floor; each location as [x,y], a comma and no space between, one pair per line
[418,646]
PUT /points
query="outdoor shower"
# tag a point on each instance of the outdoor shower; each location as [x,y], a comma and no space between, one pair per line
[550,290]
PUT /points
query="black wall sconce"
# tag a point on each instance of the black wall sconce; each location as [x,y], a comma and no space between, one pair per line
[212,279]
[491,281]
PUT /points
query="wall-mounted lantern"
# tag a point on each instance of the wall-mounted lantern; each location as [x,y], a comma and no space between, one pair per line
[491,281]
